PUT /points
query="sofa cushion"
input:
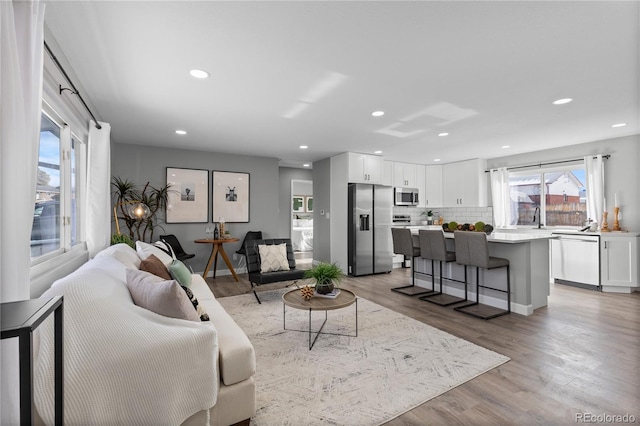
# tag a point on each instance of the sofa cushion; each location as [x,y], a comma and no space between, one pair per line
[154,266]
[273,258]
[146,249]
[180,273]
[236,358]
[160,296]
[124,253]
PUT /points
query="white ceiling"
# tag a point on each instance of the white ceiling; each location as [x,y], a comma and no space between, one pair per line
[285,74]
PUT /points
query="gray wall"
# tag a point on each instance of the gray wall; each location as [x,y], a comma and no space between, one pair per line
[321,202]
[143,164]
[621,172]
[286,175]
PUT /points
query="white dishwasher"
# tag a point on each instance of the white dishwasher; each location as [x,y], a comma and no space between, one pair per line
[576,258]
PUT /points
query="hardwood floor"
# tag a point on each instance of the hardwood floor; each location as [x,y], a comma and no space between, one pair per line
[580,354]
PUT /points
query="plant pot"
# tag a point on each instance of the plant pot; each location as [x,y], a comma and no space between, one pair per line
[324,288]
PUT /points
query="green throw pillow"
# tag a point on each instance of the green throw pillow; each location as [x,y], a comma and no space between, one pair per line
[180,273]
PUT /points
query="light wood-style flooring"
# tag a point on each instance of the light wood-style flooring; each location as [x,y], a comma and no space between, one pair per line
[580,354]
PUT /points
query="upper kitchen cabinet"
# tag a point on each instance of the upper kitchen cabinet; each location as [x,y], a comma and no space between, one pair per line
[432,194]
[387,173]
[365,168]
[404,175]
[465,184]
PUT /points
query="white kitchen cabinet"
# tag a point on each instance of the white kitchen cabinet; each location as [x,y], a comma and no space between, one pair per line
[432,187]
[387,173]
[420,178]
[404,175]
[465,184]
[619,262]
[365,168]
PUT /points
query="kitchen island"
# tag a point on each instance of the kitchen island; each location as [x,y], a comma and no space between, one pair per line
[528,254]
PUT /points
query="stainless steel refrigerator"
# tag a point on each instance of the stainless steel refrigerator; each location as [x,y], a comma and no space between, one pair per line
[370,210]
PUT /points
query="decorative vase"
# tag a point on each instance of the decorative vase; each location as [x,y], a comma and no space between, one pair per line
[324,288]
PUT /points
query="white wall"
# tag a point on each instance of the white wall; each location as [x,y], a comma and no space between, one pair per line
[622,171]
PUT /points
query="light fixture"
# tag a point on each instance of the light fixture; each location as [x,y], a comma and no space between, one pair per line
[199,74]
[562,101]
[303,147]
[377,113]
[377,152]
[306,165]
[181,132]
[436,159]
[443,134]
[505,146]
[619,125]
[136,210]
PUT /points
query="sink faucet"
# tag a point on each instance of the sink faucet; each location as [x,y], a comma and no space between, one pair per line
[537,210]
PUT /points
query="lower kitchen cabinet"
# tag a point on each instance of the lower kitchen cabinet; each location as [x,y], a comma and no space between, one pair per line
[619,263]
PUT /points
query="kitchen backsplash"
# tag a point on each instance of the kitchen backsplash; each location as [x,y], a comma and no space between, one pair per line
[458,214]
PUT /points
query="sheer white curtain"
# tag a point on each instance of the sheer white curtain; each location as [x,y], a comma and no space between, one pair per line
[501,196]
[594,167]
[21,53]
[98,188]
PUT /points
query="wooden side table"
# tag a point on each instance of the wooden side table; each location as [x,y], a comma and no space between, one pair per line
[218,248]
[19,319]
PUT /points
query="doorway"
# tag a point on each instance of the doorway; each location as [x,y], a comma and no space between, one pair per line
[302,219]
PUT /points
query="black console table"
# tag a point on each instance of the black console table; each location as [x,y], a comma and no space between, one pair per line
[19,319]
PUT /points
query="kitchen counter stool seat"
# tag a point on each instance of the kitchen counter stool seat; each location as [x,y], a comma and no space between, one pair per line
[433,247]
[472,249]
[403,244]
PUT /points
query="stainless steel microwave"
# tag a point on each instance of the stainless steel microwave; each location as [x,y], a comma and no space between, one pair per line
[406,196]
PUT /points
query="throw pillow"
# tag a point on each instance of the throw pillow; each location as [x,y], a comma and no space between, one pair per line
[162,297]
[146,249]
[273,257]
[180,273]
[198,307]
[153,265]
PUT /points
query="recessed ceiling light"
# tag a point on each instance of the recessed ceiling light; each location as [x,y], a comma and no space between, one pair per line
[562,101]
[619,125]
[377,113]
[505,146]
[377,152]
[199,74]
[303,147]
[436,159]
[443,134]
[181,132]
[306,165]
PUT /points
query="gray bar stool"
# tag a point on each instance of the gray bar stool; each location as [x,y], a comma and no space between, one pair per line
[403,244]
[433,247]
[472,249]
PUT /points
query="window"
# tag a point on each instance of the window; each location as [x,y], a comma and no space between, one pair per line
[56,221]
[556,197]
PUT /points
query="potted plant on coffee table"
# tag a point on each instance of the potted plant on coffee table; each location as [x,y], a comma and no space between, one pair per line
[326,275]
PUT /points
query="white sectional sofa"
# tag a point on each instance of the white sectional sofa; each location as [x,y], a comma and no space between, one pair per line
[127,365]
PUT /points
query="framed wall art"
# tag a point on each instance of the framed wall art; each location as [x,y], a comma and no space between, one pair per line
[308,204]
[230,197]
[188,198]
[297,203]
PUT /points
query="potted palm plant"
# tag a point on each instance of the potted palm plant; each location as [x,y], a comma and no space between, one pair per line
[326,275]
[429,215]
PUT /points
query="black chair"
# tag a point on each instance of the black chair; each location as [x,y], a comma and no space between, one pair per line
[176,247]
[253,265]
[251,235]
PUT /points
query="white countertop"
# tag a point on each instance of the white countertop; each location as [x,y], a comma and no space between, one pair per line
[497,236]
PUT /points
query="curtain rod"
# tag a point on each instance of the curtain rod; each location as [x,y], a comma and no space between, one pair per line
[73,89]
[605,157]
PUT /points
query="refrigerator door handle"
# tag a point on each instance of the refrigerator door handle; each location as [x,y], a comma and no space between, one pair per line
[364,222]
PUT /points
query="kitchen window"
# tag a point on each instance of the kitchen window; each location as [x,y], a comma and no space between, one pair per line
[555,196]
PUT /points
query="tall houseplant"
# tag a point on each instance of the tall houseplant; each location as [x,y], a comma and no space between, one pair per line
[126,192]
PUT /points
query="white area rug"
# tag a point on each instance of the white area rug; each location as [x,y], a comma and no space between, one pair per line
[395,364]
